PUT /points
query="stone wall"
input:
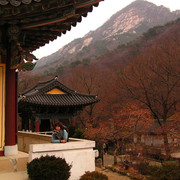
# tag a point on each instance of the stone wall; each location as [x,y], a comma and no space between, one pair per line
[79,153]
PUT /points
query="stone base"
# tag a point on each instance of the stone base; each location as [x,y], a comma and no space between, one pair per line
[11,150]
[14,163]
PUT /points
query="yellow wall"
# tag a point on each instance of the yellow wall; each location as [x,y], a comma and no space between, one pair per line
[2,105]
[55,91]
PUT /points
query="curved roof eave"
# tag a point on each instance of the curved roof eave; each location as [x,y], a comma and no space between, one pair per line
[36,22]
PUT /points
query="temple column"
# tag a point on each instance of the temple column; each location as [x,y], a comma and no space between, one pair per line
[37,126]
[11,109]
[73,123]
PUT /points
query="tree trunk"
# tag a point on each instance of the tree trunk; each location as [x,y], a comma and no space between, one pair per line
[115,152]
[166,144]
[115,156]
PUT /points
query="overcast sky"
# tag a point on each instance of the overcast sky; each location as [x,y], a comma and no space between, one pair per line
[95,19]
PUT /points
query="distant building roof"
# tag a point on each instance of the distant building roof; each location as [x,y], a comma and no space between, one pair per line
[54,93]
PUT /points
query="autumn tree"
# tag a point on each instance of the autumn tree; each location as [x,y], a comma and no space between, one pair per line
[154,80]
[27,81]
[85,80]
[120,126]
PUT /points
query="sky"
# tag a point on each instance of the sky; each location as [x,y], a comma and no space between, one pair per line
[95,19]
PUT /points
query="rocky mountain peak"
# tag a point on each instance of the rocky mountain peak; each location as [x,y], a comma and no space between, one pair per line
[124,26]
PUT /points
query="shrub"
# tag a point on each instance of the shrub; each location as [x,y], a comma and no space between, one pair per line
[142,167]
[153,171]
[48,168]
[78,133]
[94,176]
[71,131]
[166,172]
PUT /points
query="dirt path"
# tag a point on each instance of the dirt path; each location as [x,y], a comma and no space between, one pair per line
[112,175]
[108,161]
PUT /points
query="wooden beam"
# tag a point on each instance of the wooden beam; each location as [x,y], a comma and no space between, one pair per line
[88,3]
[48,22]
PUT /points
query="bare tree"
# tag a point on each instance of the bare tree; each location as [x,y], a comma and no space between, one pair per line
[154,80]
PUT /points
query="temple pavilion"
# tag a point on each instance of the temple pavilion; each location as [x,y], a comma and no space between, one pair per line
[26,25]
[50,102]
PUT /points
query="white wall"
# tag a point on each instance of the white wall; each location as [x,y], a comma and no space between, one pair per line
[79,153]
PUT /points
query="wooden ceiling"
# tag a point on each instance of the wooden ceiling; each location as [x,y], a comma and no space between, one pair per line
[36,22]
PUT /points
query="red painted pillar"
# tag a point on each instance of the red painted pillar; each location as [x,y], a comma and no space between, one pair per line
[16,102]
[11,102]
[36,126]
[11,108]
[1,153]
[73,123]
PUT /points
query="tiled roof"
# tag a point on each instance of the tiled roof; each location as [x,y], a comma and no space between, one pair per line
[35,22]
[38,95]
[16,2]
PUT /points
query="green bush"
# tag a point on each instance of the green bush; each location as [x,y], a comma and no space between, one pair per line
[75,63]
[48,168]
[170,171]
[153,171]
[71,131]
[93,176]
[78,133]
[142,167]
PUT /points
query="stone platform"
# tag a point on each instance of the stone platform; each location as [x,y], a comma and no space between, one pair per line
[14,163]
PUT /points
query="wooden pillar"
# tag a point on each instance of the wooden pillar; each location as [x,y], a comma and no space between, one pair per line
[11,112]
[37,126]
[11,107]
[73,122]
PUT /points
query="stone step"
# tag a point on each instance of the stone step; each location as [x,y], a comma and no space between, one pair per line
[14,163]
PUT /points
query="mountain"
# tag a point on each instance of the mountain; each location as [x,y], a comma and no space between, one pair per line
[113,62]
[123,27]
